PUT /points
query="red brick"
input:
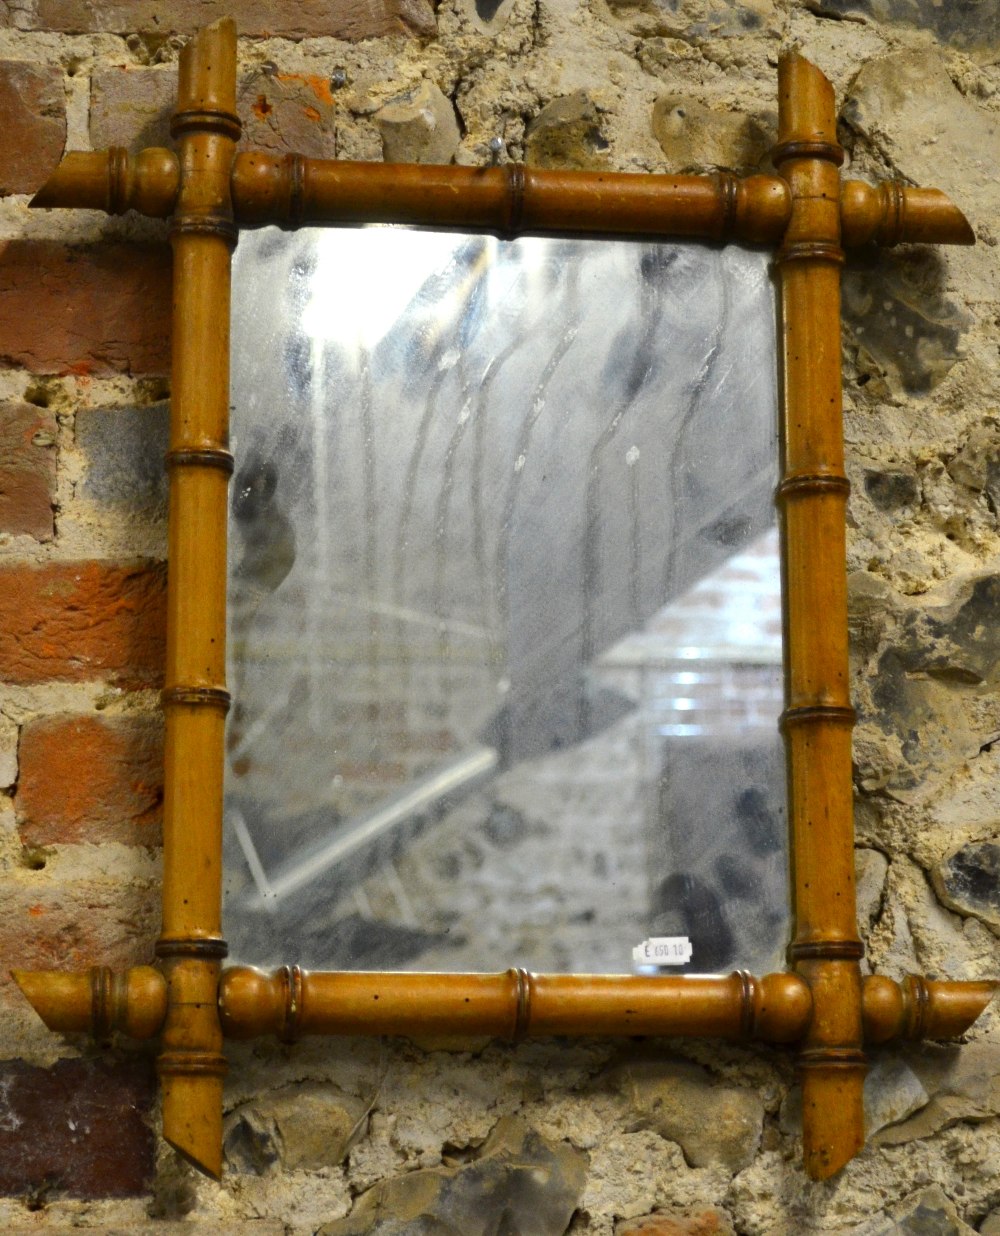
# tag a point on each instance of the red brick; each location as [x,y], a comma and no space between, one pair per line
[89,921]
[131,107]
[356,712]
[90,778]
[372,772]
[33,134]
[288,112]
[431,742]
[83,621]
[340,19]
[27,470]
[97,309]
[704,1223]
[79,1129]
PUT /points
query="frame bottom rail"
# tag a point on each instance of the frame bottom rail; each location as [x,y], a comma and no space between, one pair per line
[514,1004]
[291,1002]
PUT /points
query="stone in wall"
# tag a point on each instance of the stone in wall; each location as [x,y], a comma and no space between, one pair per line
[872,601]
[902,325]
[712,1124]
[696,138]
[928,1213]
[490,16]
[892,489]
[968,880]
[907,112]
[962,1083]
[871,868]
[254,18]
[164,1227]
[976,465]
[419,127]
[696,20]
[892,1093]
[124,449]
[941,656]
[914,934]
[303,1128]
[963,23]
[518,1181]
[567,133]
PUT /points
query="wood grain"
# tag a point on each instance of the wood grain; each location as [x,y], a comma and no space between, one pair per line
[190,947]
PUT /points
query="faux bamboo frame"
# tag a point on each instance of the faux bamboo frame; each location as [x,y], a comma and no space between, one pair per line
[823,1006]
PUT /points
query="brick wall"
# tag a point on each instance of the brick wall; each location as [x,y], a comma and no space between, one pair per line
[592,1136]
[85,328]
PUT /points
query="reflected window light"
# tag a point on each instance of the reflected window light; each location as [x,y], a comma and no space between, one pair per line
[359,291]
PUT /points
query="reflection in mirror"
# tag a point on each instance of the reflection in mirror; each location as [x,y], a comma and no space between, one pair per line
[505,625]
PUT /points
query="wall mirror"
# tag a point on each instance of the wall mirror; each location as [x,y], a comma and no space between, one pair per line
[489,496]
[504,603]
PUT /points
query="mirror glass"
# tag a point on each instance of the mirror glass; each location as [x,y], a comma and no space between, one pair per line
[505,620]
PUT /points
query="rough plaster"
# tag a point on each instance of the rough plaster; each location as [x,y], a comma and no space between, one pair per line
[422,1107]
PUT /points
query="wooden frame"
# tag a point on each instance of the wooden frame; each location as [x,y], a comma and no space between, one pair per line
[823,1005]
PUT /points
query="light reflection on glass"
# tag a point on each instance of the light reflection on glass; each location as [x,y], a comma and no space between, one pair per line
[504,636]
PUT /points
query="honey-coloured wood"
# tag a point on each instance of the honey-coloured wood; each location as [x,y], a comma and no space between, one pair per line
[510,200]
[291,1003]
[190,947]
[893,214]
[516,1004]
[818,719]
[114,181]
[99,1001]
[920,1008]
[293,190]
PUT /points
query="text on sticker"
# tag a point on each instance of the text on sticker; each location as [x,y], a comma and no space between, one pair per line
[663,951]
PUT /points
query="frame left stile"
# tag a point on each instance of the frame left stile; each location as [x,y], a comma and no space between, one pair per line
[822,1005]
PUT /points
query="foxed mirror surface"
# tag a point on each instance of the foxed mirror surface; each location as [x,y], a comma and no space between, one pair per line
[505,623]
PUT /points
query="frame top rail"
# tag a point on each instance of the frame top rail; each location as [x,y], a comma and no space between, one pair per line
[291,190]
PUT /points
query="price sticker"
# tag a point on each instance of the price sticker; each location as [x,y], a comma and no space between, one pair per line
[662,951]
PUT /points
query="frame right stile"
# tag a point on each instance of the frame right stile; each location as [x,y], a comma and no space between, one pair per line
[822,1005]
